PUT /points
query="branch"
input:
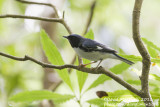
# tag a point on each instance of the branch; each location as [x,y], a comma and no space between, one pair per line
[66,25]
[60,20]
[144,53]
[38,3]
[32,17]
[100,70]
[90,17]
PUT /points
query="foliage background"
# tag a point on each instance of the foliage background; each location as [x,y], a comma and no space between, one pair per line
[112,26]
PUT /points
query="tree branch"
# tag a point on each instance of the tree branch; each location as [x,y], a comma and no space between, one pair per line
[38,3]
[144,53]
[90,17]
[59,20]
[100,70]
[55,10]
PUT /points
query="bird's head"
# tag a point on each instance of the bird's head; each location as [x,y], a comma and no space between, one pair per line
[74,39]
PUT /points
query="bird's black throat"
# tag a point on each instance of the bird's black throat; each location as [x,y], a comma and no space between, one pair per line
[74,43]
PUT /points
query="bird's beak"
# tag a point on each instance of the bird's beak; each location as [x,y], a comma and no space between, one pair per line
[65,37]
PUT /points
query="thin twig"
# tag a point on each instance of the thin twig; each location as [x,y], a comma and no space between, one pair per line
[90,17]
[66,25]
[39,3]
[53,87]
[59,20]
[56,12]
[144,53]
[100,70]
[32,17]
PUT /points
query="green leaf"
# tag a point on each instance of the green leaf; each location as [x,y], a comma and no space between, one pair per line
[151,44]
[1,5]
[155,95]
[100,80]
[11,82]
[155,60]
[138,82]
[153,53]
[135,82]
[97,101]
[29,96]
[131,57]
[138,58]
[82,76]
[154,76]
[54,57]
[122,95]
[90,34]
[134,104]
[118,69]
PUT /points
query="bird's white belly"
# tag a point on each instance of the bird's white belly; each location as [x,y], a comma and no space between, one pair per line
[94,55]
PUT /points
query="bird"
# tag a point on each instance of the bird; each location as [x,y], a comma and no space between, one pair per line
[93,50]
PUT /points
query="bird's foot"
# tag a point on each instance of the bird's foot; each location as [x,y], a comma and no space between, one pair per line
[82,65]
[96,69]
[90,63]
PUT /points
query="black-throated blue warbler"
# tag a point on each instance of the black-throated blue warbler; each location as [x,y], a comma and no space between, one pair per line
[92,50]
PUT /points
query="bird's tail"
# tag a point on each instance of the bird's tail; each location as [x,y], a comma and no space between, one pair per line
[123,59]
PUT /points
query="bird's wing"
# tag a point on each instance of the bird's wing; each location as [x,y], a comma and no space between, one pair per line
[91,45]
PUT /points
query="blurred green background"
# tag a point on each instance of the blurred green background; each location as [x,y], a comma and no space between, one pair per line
[111,24]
